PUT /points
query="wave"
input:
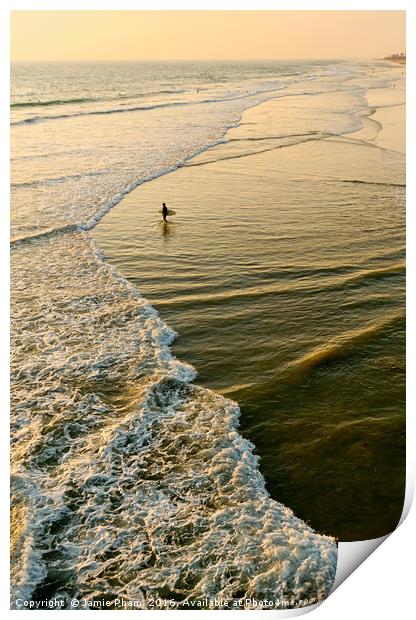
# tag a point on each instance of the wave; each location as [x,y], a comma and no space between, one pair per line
[362,181]
[274,137]
[30,104]
[375,274]
[53,180]
[356,141]
[130,479]
[342,346]
[57,102]
[390,105]
[155,106]
[302,282]
[142,108]
[50,232]
[312,136]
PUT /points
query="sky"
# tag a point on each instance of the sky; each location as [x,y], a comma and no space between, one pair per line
[193,35]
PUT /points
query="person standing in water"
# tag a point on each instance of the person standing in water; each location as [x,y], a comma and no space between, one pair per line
[164,211]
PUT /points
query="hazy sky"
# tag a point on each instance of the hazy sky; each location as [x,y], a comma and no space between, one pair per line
[146,35]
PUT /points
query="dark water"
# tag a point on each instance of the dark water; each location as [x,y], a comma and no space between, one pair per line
[283,274]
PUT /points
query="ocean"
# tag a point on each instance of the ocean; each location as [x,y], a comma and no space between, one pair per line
[201,408]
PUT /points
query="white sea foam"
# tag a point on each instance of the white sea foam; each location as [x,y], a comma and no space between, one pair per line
[132,481]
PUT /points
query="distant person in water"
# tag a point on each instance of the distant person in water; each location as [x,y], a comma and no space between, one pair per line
[164,211]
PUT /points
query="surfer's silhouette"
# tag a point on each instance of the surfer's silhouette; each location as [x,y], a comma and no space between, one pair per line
[164,211]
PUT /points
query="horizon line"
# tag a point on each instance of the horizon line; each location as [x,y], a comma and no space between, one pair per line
[269,59]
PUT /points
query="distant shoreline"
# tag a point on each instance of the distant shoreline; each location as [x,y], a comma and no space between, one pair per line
[401,60]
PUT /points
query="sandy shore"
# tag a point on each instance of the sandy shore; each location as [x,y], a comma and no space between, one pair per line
[393,134]
[386,125]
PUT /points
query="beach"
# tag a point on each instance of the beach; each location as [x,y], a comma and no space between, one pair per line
[202,408]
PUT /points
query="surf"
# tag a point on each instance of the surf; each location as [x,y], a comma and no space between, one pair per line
[131,440]
[342,345]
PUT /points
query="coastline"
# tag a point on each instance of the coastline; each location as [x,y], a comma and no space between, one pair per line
[384,123]
[398,60]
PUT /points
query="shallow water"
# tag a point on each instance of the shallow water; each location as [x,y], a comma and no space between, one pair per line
[283,274]
[127,479]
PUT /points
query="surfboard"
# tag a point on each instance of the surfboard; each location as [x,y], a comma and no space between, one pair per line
[170,212]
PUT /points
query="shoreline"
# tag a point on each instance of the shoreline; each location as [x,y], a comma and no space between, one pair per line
[398,60]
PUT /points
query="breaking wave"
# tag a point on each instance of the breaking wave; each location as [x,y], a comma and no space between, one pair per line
[143,108]
[342,345]
[57,102]
[129,480]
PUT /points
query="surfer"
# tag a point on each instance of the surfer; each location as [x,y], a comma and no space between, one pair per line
[164,211]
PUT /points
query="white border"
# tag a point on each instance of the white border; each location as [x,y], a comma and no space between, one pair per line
[381,587]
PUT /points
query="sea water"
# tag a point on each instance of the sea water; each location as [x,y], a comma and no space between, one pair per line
[128,480]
